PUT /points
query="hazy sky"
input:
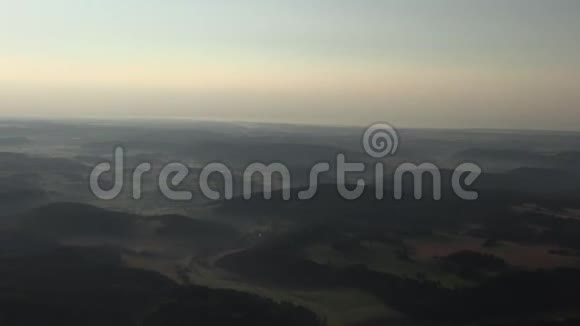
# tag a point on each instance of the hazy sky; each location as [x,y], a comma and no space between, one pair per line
[445,63]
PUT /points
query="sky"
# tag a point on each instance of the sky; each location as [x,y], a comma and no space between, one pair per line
[439,64]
